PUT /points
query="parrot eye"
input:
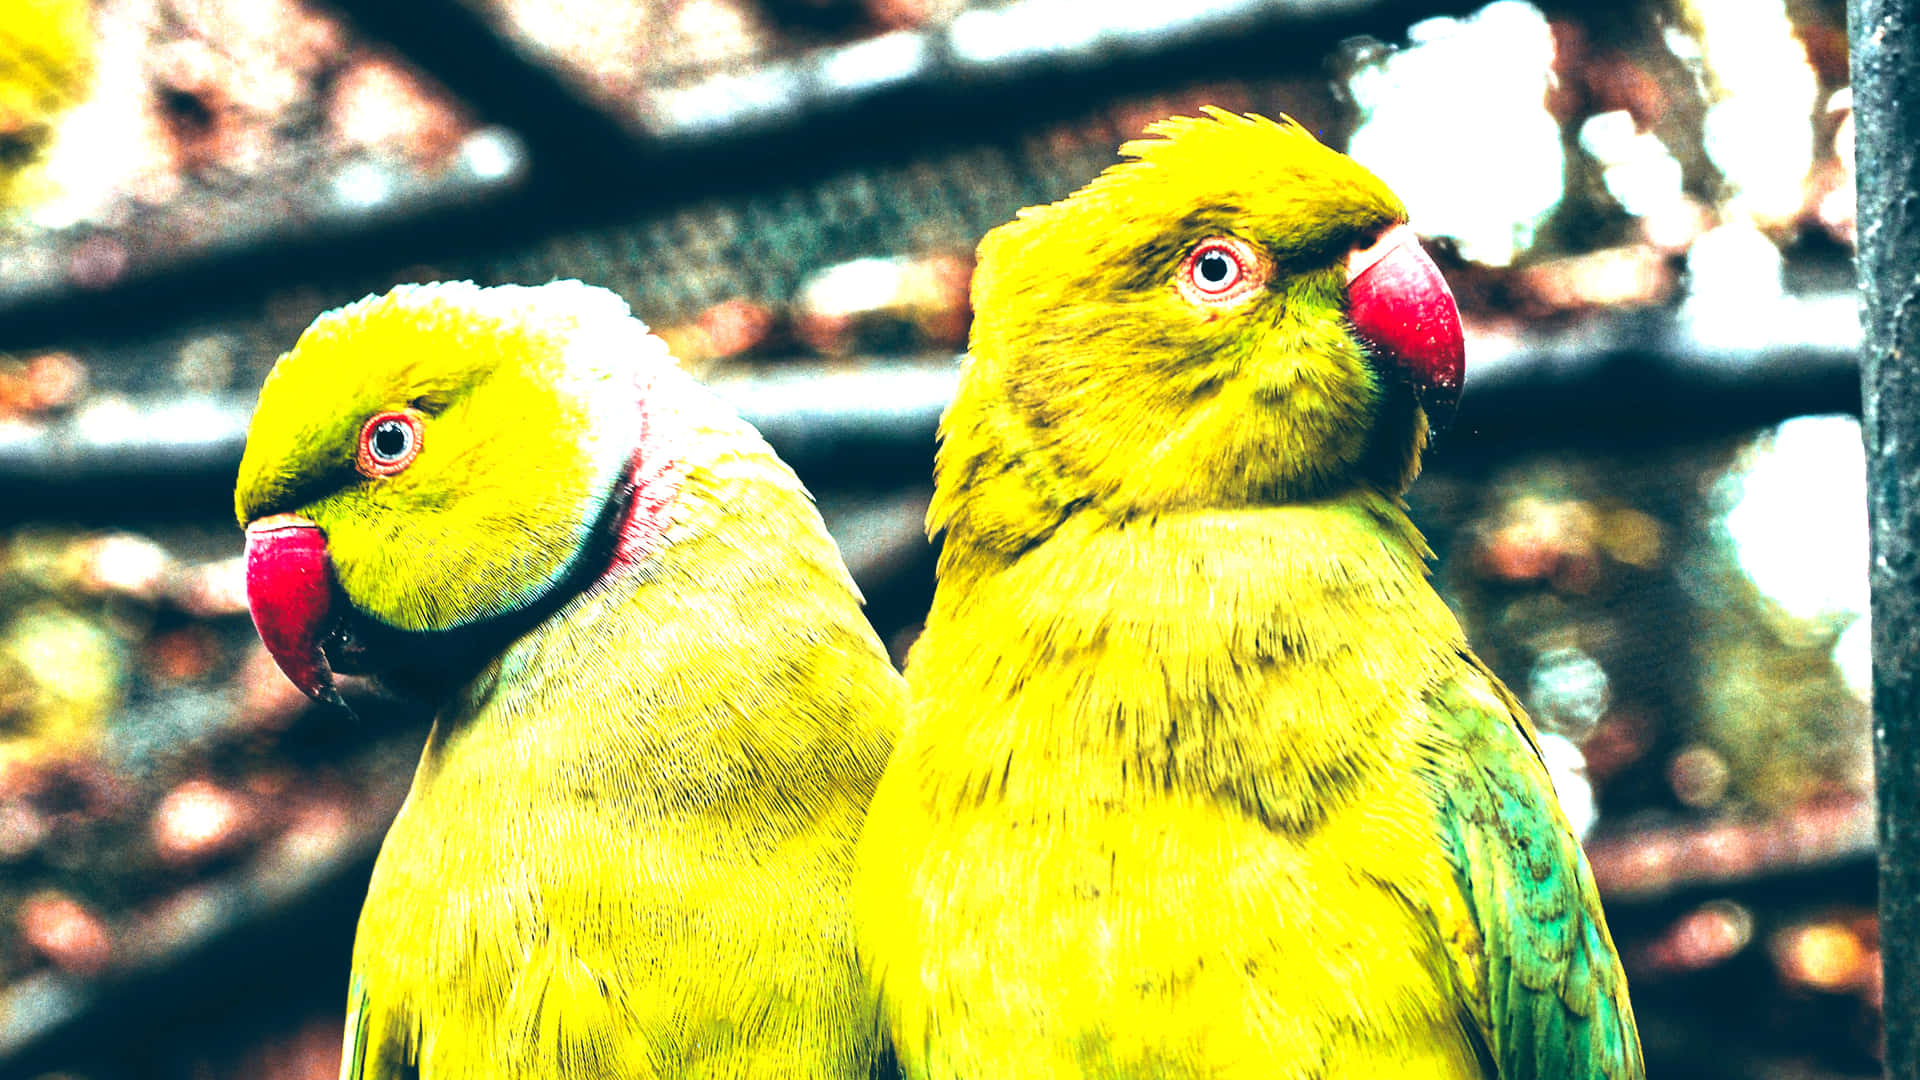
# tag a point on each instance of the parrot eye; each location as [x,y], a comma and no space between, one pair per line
[1221,271]
[1215,269]
[389,442]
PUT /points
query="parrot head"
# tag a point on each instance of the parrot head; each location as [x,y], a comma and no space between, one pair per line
[432,467]
[1234,315]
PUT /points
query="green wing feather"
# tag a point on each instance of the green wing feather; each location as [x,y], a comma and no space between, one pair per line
[369,1054]
[353,1061]
[1557,1000]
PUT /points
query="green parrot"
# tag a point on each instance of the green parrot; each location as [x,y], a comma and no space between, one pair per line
[1200,777]
[629,844]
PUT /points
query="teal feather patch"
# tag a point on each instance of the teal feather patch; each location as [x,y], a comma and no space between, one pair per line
[1557,999]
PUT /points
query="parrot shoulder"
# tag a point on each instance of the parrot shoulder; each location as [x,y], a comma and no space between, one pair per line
[373,1051]
[1551,996]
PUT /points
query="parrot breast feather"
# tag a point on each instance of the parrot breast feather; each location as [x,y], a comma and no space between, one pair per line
[1555,997]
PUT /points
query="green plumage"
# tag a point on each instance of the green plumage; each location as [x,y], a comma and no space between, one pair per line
[1556,998]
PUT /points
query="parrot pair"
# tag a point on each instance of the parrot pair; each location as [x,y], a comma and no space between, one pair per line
[1192,774]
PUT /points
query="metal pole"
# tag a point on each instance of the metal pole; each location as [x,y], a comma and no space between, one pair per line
[1886,101]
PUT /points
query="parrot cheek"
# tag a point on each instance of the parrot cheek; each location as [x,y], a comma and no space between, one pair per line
[1401,306]
[290,595]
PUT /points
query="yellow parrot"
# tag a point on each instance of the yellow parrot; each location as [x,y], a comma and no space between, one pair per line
[1200,777]
[46,67]
[629,844]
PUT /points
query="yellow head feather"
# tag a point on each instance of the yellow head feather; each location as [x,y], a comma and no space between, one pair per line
[1095,382]
[529,405]
[46,67]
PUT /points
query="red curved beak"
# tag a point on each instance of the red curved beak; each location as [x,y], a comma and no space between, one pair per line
[1405,313]
[290,595]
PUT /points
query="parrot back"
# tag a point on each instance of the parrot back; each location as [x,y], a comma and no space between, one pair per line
[628,848]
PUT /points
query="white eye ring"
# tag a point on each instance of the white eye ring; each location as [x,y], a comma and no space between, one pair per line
[1221,271]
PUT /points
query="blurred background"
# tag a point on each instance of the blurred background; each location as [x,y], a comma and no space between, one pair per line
[1650,513]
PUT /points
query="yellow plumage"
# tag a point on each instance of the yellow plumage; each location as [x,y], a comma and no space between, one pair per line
[46,67]
[1199,778]
[637,850]
[628,846]
[1177,846]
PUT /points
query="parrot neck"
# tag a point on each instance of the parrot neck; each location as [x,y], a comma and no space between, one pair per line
[701,613]
[654,479]
[1272,658]
[630,530]
[1003,486]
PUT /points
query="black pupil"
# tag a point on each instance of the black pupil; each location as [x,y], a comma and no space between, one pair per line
[1214,267]
[389,440]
